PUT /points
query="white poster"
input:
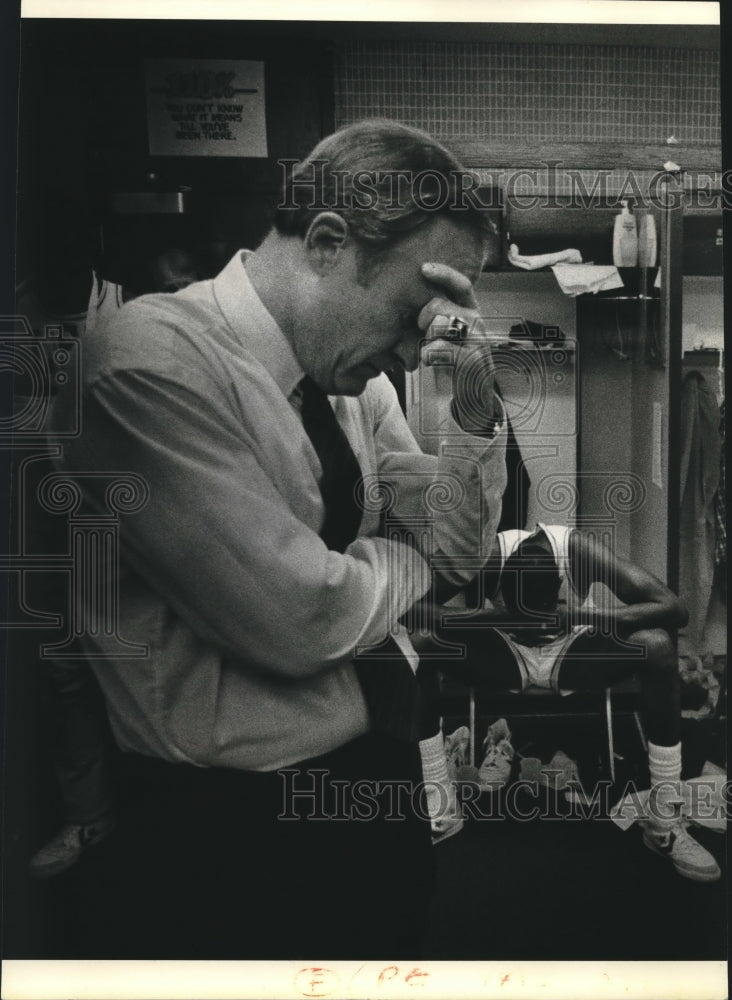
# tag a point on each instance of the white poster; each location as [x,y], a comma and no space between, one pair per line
[205,107]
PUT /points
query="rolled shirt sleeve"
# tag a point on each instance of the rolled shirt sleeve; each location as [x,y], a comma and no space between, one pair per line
[457,493]
[228,548]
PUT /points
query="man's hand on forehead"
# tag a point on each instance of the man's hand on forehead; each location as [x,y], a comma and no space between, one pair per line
[454,283]
[454,306]
[451,315]
[452,318]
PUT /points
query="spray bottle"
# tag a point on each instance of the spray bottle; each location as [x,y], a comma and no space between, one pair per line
[647,240]
[625,238]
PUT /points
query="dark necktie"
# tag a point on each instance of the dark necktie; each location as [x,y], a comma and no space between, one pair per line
[388,683]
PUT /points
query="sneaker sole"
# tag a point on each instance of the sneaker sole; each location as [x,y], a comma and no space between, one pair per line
[437,838]
[713,875]
[57,868]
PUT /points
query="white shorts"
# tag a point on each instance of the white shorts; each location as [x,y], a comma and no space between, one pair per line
[539,665]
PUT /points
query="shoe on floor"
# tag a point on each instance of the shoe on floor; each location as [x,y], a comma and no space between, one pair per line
[457,745]
[65,849]
[498,730]
[444,811]
[687,855]
[559,773]
[456,750]
[495,770]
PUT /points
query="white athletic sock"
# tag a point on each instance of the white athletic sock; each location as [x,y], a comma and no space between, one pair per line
[436,780]
[434,759]
[664,764]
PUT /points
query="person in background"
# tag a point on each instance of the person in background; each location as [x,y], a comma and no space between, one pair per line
[83,750]
[546,630]
[274,718]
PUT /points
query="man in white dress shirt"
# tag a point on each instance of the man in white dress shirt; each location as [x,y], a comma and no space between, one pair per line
[254,749]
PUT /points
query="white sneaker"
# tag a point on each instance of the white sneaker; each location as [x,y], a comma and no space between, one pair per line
[457,745]
[495,770]
[687,855]
[444,811]
[456,750]
[65,849]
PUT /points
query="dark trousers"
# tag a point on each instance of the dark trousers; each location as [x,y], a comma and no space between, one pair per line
[83,750]
[214,863]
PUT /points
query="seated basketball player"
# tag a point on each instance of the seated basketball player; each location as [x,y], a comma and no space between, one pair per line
[546,630]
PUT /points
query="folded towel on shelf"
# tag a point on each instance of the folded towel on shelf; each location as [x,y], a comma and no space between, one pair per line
[578,279]
[533,262]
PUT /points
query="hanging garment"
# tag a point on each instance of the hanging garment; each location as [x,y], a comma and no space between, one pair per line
[720,505]
[700,457]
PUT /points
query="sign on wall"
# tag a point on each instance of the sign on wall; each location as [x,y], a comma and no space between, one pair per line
[205,107]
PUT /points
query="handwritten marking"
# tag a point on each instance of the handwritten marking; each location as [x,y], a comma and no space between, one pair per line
[316,982]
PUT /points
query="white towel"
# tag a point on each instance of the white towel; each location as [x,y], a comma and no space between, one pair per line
[576,279]
[536,261]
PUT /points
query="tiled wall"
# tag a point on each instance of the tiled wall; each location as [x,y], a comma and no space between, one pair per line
[550,93]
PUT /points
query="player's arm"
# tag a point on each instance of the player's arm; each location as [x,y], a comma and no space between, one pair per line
[645,602]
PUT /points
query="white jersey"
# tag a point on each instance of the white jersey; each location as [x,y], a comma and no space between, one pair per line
[539,665]
[558,535]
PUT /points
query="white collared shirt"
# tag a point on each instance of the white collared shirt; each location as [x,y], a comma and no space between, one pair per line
[250,621]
